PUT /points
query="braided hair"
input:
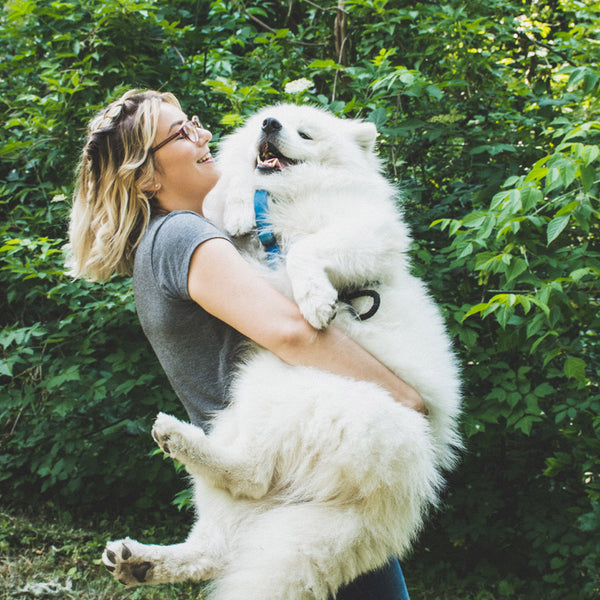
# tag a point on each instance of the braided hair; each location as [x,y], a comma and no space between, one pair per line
[113,199]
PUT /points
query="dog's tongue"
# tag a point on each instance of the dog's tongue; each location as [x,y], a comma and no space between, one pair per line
[270,163]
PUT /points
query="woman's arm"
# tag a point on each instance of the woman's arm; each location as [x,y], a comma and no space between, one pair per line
[225,285]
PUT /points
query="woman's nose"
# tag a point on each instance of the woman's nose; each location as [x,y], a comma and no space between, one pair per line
[204,136]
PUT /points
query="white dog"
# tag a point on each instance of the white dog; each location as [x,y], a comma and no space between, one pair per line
[308,479]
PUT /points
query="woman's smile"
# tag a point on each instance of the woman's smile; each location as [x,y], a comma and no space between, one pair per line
[205,159]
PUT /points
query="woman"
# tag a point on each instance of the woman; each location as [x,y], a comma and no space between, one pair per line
[144,174]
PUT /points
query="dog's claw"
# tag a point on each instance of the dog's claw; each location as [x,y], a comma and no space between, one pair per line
[125,553]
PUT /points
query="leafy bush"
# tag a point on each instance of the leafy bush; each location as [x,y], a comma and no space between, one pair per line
[487,115]
[533,257]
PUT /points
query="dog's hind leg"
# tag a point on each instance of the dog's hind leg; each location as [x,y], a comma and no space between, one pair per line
[227,468]
[134,564]
[298,552]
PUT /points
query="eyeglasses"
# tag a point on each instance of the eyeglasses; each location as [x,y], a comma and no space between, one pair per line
[189,130]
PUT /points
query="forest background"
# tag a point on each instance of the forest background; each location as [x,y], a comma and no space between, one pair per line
[488,120]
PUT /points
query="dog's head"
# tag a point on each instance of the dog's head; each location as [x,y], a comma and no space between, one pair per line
[280,137]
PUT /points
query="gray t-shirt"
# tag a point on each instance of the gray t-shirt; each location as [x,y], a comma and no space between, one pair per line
[196,350]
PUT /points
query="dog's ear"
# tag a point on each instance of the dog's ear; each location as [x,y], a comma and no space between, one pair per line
[365,134]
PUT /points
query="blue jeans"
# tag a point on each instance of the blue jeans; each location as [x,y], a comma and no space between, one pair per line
[386,583]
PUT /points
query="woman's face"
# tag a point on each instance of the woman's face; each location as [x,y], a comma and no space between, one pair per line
[184,170]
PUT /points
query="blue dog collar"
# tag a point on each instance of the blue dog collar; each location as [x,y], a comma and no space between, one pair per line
[265,232]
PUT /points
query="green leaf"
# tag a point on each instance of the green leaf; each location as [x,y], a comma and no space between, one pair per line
[504,314]
[568,209]
[574,368]
[465,251]
[579,274]
[588,177]
[525,303]
[590,154]
[325,64]
[556,227]
[5,368]
[537,342]
[525,424]
[512,181]
[476,309]
[535,324]
[516,267]
[543,390]
[550,356]
[510,199]
[530,197]
[541,304]
[474,219]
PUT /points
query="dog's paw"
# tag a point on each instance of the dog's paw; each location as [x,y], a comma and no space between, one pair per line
[121,560]
[312,290]
[238,216]
[318,306]
[175,438]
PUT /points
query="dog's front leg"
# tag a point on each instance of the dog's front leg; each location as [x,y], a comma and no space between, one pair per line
[321,263]
[226,468]
[312,289]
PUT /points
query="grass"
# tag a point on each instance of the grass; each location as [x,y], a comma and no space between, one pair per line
[44,558]
[49,559]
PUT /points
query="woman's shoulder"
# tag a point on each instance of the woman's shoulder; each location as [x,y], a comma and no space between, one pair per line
[182,224]
[181,218]
[167,247]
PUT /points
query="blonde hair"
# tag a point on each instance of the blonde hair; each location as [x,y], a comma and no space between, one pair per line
[110,209]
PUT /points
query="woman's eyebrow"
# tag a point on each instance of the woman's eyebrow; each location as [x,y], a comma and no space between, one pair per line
[174,124]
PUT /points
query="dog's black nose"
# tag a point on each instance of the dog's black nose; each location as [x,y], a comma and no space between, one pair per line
[269,125]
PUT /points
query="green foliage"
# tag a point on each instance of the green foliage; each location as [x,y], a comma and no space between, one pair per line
[488,119]
[83,385]
[534,256]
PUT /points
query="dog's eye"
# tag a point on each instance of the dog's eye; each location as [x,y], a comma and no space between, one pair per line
[304,136]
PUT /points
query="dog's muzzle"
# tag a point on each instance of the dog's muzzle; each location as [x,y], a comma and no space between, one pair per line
[270,159]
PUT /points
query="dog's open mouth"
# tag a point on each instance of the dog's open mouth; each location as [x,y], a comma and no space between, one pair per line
[269,159]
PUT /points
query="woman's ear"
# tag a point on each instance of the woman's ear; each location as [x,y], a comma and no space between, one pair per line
[151,189]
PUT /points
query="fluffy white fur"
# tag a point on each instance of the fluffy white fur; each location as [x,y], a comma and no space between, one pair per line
[308,479]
